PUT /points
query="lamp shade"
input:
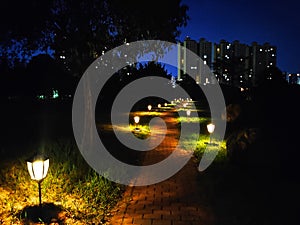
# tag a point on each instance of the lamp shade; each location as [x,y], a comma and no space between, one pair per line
[136,119]
[188,112]
[210,128]
[38,169]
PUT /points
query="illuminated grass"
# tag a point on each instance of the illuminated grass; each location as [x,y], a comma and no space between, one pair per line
[140,131]
[200,144]
[217,145]
[83,196]
[185,119]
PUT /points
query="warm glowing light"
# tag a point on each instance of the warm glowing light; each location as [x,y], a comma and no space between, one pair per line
[38,169]
[159,105]
[210,128]
[188,112]
[136,119]
[149,107]
[166,104]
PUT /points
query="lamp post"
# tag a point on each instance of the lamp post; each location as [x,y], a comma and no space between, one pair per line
[38,168]
[188,113]
[210,129]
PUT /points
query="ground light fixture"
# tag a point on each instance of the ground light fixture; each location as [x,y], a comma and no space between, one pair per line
[136,121]
[38,168]
[210,129]
[188,112]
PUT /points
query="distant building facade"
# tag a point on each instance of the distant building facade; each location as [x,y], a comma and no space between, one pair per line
[234,64]
[188,64]
[293,78]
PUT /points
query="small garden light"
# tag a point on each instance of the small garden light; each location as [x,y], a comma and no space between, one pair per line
[188,112]
[210,129]
[136,119]
[38,168]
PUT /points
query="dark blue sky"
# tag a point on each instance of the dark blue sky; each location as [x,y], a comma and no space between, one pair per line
[248,21]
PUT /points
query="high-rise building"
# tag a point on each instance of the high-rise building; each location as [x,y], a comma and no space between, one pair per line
[236,64]
[262,58]
[193,66]
[293,78]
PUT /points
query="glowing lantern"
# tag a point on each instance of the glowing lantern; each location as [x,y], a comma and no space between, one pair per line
[38,169]
[210,129]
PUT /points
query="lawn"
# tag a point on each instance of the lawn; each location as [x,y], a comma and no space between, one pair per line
[72,193]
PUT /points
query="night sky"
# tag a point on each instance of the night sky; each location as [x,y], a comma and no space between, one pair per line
[247,21]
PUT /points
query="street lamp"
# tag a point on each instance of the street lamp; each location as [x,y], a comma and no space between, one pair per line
[210,129]
[38,168]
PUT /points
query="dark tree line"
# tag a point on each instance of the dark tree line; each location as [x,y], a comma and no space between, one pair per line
[81,31]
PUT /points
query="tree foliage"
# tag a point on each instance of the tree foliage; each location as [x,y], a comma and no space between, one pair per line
[80,31]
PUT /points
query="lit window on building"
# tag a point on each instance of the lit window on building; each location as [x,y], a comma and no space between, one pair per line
[55,94]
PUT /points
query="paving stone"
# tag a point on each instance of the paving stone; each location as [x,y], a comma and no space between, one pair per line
[175,201]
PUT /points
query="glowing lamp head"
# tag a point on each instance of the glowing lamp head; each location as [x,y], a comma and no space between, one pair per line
[210,128]
[136,119]
[188,112]
[149,107]
[159,105]
[38,168]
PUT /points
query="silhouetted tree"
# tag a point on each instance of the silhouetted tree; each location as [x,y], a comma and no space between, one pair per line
[84,30]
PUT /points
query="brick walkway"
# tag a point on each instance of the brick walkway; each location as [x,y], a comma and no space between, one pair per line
[175,201]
